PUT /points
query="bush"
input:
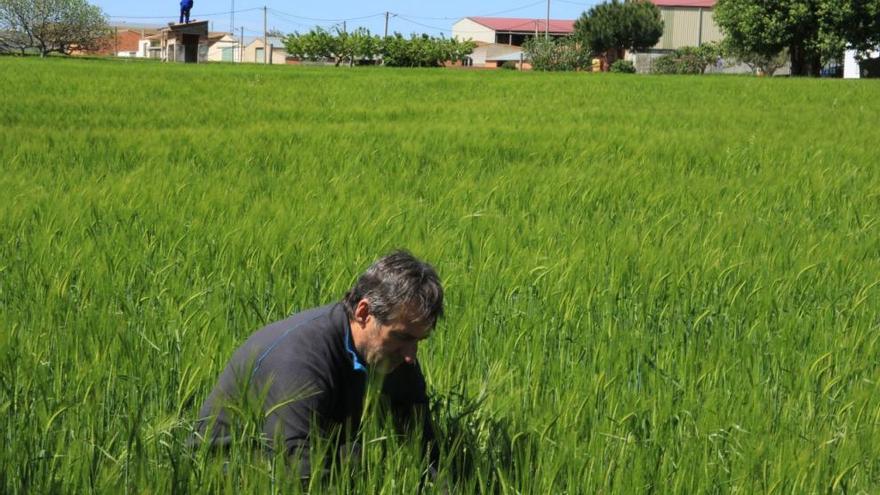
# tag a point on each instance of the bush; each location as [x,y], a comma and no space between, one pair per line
[509,65]
[623,66]
[556,55]
[687,60]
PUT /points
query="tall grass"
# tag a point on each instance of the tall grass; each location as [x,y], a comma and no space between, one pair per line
[654,284]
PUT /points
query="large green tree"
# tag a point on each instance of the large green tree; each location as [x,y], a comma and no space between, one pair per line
[813,31]
[51,25]
[611,28]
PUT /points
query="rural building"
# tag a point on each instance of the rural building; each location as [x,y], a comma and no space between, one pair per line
[186,43]
[494,55]
[500,39]
[255,51]
[223,47]
[686,23]
[219,47]
[122,42]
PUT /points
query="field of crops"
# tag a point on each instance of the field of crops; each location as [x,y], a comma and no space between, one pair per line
[655,284]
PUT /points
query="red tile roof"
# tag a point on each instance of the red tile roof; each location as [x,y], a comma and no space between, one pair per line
[557,26]
[684,3]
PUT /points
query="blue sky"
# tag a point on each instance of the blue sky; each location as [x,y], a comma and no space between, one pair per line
[407,17]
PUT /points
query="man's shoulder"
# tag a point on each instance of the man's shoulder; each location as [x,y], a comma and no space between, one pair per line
[307,333]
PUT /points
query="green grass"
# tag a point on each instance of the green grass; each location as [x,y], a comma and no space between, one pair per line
[655,284]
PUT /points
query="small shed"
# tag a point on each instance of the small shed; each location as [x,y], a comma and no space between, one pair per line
[186,42]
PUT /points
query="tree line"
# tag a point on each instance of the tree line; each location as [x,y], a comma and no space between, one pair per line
[360,47]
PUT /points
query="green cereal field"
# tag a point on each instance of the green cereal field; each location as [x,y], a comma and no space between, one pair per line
[654,284]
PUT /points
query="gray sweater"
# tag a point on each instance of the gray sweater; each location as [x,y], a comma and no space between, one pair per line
[305,370]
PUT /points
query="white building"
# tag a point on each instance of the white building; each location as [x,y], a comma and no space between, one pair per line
[852,69]
[500,39]
[255,51]
[223,47]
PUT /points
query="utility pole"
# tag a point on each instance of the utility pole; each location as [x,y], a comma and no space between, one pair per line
[232,19]
[386,24]
[116,41]
[547,26]
[266,34]
[241,46]
[344,30]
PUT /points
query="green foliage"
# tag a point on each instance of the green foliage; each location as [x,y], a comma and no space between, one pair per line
[51,26]
[357,46]
[688,60]
[362,47]
[509,65]
[654,285]
[564,54]
[623,66]
[813,31]
[615,27]
[759,63]
[316,45]
[423,50]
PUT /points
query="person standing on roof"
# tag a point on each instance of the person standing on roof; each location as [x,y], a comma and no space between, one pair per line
[185,7]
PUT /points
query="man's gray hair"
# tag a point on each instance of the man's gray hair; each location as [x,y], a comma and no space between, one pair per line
[395,284]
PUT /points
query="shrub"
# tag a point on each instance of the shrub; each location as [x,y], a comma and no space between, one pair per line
[687,60]
[623,66]
[509,65]
[556,55]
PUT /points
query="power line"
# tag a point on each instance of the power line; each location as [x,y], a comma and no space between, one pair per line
[526,23]
[514,9]
[422,25]
[380,14]
[297,20]
[579,4]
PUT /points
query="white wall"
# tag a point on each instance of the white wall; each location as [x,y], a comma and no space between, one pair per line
[215,50]
[851,65]
[467,29]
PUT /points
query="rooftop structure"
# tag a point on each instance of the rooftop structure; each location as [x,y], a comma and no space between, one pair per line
[186,42]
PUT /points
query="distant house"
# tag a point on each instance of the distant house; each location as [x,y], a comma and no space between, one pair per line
[223,47]
[122,42]
[184,43]
[255,51]
[500,39]
[508,30]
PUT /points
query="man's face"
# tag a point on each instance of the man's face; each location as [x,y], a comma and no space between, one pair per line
[389,345]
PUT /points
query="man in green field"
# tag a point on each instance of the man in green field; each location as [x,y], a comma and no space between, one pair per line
[308,372]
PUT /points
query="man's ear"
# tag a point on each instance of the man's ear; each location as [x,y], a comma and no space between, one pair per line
[362,311]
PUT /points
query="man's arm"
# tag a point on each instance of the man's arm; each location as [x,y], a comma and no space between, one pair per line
[298,395]
[406,393]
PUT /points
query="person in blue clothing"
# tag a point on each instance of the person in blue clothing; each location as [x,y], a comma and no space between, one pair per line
[185,7]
